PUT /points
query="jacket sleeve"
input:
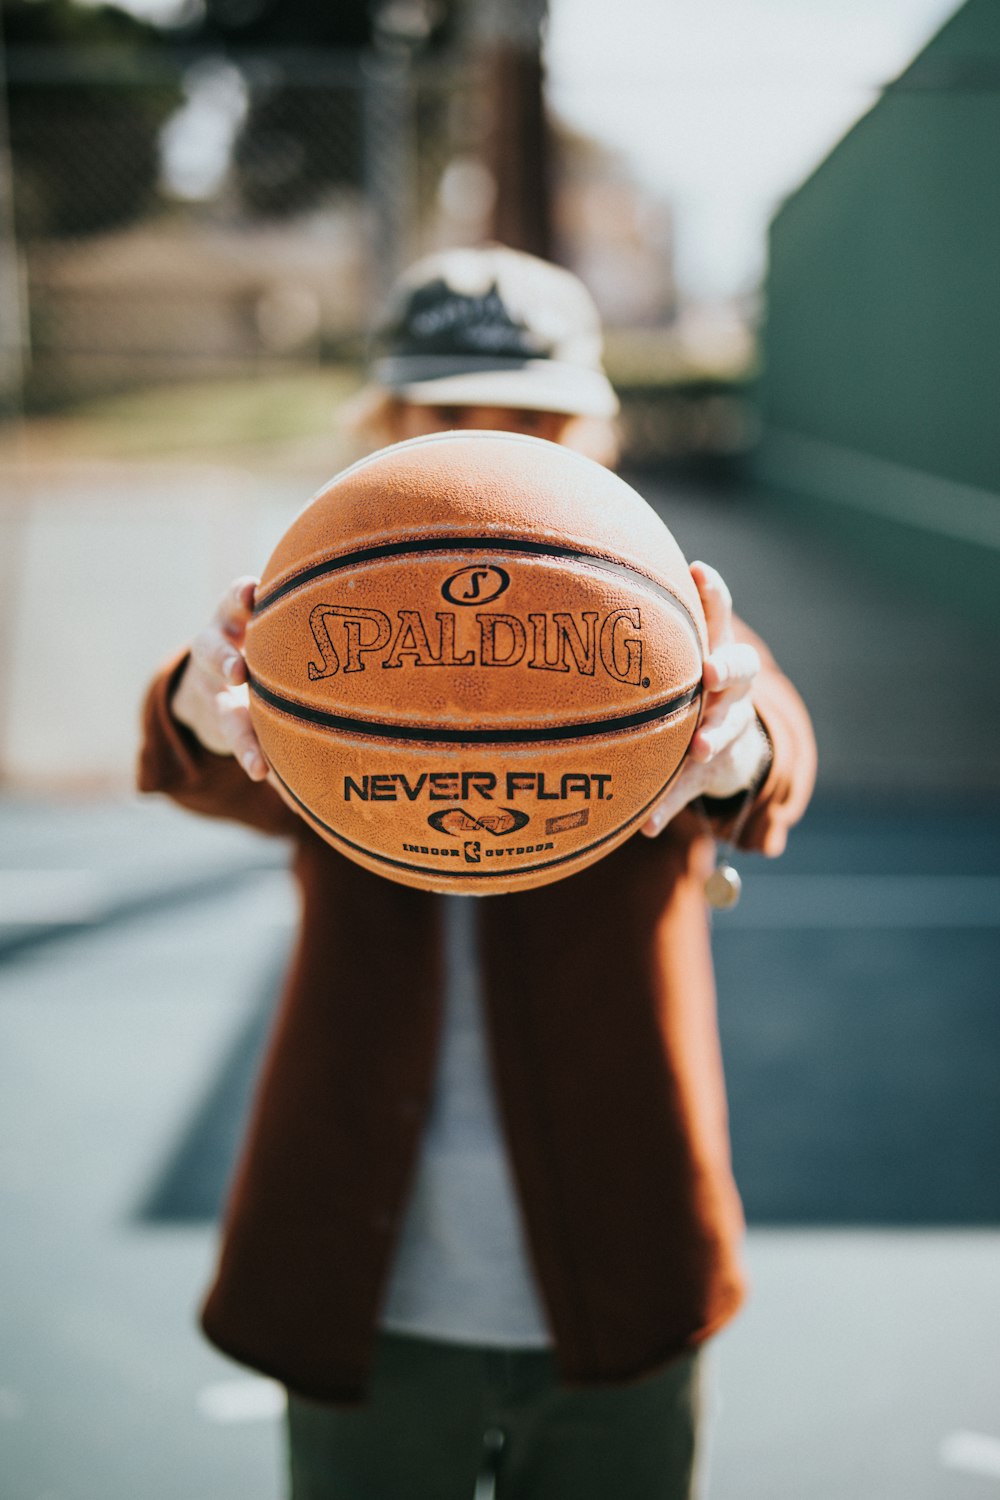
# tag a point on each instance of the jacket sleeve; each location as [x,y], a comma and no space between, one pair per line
[782,796]
[172,760]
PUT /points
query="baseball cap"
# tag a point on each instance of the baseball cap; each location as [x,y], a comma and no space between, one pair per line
[492,326]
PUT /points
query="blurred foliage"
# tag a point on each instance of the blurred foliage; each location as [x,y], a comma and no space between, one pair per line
[84,141]
[298,141]
[90,88]
[348,25]
[305,132]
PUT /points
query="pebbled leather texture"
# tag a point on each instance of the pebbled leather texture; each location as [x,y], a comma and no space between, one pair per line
[476,661]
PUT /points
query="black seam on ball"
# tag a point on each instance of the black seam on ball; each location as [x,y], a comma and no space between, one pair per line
[428,735]
[471,545]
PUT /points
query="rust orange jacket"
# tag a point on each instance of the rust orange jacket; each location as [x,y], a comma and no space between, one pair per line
[601,1015]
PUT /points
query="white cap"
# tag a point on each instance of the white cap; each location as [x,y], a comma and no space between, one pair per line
[494,327]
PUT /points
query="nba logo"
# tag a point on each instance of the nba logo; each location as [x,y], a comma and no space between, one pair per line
[472,851]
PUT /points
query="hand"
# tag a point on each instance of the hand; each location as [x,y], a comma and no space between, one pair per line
[728,748]
[211,697]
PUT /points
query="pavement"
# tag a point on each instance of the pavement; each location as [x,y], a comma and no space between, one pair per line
[140,949]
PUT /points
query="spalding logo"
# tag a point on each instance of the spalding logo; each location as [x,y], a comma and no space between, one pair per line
[478,584]
[547,641]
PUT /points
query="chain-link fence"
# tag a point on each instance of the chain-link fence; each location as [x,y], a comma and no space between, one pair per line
[168,219]
[173,220]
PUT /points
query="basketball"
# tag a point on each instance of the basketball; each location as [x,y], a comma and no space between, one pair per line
[475,662]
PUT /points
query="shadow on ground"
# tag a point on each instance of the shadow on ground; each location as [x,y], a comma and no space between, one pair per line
[190,1186]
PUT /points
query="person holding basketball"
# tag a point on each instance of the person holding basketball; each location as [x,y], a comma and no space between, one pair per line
[484,1220]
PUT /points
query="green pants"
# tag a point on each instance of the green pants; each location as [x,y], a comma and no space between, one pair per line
[450,1422]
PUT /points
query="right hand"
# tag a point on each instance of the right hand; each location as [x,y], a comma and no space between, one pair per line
[212,696]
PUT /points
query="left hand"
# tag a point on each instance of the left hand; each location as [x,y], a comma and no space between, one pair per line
[728,748]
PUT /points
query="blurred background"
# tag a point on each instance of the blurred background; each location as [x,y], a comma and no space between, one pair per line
[789,214]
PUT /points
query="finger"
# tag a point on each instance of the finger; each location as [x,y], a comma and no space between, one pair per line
[236,607]
[716,705]
[237,730]
[731,667]
[683,789]
[716,601]
[217,657]
[715,734]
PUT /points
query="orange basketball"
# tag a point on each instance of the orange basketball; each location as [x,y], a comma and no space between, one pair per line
[475,662]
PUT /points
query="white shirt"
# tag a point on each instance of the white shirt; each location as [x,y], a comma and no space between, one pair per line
[462,1272]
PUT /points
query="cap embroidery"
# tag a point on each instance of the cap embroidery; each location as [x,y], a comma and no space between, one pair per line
[439,320]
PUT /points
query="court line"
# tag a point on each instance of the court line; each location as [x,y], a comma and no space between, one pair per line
[254,1399]
[56,900]
[30,897]
[896,492]
[866,901]
[972,1453]
[56,911]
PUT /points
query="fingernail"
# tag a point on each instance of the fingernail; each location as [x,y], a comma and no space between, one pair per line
[229,664]
[251,761]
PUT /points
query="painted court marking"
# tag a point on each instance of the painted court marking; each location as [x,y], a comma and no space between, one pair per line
[770,901]
[873,901]
[972,1453]
[248,1400]
[81,898]
[40,897]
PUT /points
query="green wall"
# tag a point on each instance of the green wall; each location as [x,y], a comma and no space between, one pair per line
[881,385]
